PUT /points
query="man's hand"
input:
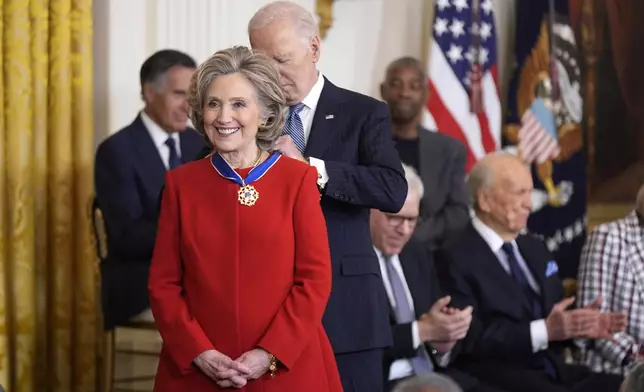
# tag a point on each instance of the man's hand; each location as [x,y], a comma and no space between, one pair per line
[444,325]
[587,322]
[286,146]
[221,368]
[607,324]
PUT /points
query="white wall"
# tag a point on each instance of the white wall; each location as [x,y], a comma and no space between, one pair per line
[366,35]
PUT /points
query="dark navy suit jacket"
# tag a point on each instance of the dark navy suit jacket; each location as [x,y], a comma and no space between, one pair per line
[351,133]
[422,279]
[472,274]
[129,175]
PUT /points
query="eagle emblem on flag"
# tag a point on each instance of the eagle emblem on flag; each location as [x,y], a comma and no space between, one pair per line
[550,78]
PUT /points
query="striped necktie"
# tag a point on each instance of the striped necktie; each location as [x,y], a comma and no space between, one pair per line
[294,127]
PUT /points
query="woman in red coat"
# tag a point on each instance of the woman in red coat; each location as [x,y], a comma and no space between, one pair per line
[241,271]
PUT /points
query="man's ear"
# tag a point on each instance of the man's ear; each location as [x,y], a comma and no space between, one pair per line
[316,47]
[483,201]
[148,92]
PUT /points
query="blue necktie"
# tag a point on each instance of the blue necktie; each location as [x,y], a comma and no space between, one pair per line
[420,363]
[294,127]
[520,277]
[174,160]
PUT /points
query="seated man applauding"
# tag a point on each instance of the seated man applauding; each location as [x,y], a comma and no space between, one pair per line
[426,330]
[520,320]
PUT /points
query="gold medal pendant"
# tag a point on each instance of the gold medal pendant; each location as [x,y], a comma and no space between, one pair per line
[247,195]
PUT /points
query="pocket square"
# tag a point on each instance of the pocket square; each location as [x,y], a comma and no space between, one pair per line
[552,268]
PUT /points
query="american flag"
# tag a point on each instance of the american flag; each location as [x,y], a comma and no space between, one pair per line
[463,97]
[538,134]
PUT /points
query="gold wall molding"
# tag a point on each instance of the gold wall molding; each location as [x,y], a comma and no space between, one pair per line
[324,10]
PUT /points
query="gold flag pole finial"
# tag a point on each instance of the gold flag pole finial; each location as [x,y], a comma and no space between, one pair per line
[324,10]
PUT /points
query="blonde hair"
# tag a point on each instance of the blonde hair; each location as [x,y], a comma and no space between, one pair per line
[260,72]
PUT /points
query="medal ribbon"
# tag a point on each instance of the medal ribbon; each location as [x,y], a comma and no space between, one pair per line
[227,172]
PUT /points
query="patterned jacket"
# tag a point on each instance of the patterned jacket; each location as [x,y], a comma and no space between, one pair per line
[612,266]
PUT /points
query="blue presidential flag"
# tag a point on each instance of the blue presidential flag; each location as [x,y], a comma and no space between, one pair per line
[544,124]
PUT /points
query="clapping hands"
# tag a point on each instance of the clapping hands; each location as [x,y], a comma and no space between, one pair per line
[587,322]
[233,374]
[443,326]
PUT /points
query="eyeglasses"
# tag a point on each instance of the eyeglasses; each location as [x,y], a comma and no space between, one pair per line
[398,220]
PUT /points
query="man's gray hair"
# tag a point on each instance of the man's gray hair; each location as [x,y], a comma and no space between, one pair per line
[481,175]
[430,380]
[414,183]
[279,10]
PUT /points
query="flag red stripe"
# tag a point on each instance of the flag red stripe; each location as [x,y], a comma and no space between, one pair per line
[486,135]
[446,123]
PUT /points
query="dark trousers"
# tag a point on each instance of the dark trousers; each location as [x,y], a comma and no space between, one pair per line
[361,371]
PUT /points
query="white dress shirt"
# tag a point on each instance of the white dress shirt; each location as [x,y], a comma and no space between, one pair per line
[159,137]
[401,367]
[306,115]
[538,330]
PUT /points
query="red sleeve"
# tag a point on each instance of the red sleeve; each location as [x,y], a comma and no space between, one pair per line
[301,313]
[182,334]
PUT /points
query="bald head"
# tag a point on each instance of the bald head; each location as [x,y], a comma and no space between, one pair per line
[500,185]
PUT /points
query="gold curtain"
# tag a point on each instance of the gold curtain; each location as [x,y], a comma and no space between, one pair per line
[47,294]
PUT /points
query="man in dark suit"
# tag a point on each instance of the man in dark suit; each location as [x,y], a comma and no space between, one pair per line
[346,136]
[130,171]
[426,331]
[438,158]
[520,320]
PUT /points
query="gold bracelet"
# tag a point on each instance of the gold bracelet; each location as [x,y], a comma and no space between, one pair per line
[272,368]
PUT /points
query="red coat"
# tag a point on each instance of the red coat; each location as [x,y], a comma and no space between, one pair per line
[231,277]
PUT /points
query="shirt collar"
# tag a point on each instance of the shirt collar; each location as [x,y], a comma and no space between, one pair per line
[378,253]
[158,135]
[493,240]
[313,97]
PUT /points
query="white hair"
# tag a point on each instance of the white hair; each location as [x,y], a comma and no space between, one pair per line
[481,175]
[634,382]
[419,383]
[279,10]
[414,183]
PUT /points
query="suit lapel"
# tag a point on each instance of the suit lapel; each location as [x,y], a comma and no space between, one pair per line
[419,288]
[147,153]
[537,267]
[492,267]
[190,145]
[326,121]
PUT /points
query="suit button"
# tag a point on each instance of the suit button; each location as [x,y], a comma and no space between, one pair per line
[336,194]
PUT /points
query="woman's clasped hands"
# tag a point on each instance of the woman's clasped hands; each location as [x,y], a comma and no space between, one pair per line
[228,373]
